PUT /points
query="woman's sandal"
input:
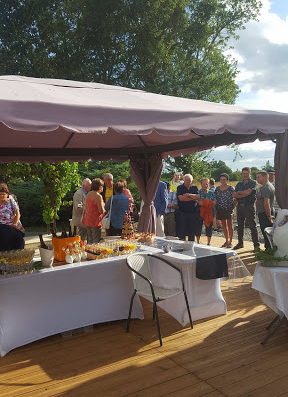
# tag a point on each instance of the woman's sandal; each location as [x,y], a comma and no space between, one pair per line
[224,245]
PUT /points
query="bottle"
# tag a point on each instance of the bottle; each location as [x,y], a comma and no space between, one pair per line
[186,239]
[70,231]
[42,243]
[63,234]
[75,231]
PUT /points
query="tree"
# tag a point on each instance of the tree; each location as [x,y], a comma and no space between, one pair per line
[254,170]
[195,164]
[218,168]
[58,179]
[267,167]
[166,46]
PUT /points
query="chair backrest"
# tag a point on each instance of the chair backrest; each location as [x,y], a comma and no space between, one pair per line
[156,270]
[139,264]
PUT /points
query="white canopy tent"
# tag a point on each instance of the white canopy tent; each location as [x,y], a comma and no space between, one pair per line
[53,120]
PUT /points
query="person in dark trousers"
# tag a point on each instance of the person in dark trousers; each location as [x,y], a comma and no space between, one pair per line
[245,194]
[264,203]
[160,204]
[188,218]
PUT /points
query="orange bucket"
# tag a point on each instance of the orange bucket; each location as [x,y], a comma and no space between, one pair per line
[60,243]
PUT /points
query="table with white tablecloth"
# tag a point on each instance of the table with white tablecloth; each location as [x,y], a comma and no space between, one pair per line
[54,300]
[204,296]
[272,285]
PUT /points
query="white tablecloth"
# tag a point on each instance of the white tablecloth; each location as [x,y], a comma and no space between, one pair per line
[204,296]
[272,285]
[37,305]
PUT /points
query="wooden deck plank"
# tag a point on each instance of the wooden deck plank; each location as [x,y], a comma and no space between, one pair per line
[175,386]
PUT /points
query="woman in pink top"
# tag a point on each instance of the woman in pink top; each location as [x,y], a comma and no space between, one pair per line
[94,211]
[127,193]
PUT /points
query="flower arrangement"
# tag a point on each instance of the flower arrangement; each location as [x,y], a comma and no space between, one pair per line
[74,252]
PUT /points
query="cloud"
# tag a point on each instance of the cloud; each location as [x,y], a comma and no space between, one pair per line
[262,53]
[254,154]
[262,56]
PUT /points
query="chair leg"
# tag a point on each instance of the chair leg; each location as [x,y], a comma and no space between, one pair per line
[188,309]
[277,321]
[154,304]
[158,324]
[273,322]
[130,311]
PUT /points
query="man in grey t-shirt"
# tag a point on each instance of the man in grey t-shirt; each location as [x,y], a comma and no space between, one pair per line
[264,203]
[245,193]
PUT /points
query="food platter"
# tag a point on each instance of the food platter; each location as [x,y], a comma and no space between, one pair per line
[110,248]
[16,262]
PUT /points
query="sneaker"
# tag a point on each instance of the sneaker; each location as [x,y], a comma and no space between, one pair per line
[238,246]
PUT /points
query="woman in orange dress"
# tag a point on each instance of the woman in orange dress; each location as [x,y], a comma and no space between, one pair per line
[94,211]
[207,203]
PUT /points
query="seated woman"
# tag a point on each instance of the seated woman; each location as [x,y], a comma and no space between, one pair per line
[11,235]
[119,205]
[94,211]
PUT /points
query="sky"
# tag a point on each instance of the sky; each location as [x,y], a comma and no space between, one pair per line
[262,56]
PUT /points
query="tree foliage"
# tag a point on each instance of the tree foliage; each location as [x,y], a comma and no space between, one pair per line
[219,167]
[172,47]
[195,164]
[58,179]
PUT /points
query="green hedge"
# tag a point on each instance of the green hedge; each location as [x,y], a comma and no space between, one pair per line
[29,195]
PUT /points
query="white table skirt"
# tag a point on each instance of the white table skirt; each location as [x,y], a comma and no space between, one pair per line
[204,296]
[272,285]
[55,300]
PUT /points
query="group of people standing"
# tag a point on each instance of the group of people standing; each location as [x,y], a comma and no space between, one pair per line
[93,200]
[181,208]
[188,208]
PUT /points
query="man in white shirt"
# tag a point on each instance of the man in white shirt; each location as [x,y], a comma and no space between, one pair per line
[78,208]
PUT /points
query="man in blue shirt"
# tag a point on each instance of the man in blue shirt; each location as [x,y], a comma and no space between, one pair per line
[160,204]
[118,206]
[245,194]
[188,215]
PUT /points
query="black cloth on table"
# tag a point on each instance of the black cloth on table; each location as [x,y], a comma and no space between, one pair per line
[211,267]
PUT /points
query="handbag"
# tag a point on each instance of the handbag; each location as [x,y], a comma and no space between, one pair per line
[106,220]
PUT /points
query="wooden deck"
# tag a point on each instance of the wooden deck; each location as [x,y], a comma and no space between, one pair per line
[220,357]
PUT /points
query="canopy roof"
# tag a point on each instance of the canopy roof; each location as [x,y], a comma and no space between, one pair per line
[46,119]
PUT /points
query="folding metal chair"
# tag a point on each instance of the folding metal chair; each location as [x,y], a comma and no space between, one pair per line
[139,264]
